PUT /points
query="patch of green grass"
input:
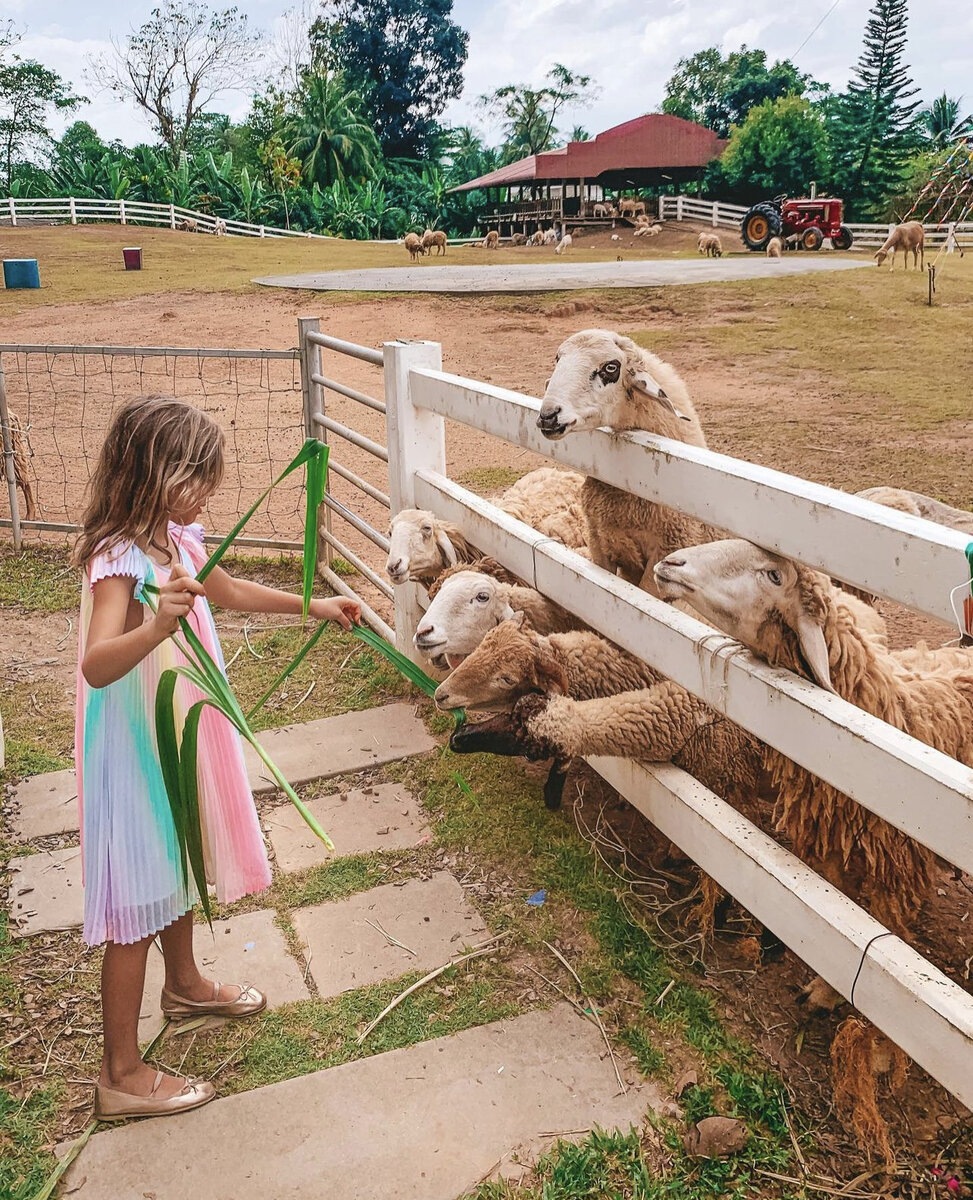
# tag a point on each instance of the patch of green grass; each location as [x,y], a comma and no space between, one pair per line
[38,727]
[25,1132]
[38,579]
[489,480]
[342,877]
[651,1060]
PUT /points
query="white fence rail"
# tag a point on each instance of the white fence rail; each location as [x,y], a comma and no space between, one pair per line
[75,209]
[952,235]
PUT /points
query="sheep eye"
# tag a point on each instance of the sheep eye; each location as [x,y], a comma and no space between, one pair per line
[508,680]
[610,371]
[774,576]
[427,531]
[482,597]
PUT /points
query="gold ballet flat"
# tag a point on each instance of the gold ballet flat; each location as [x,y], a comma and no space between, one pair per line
[112,1105]
[248,1002]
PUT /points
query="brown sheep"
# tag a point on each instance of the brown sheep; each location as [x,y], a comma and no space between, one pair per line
[906,237]
[775,248]
[434,237]
[413,243]
[518,239]
[710,245]
[492,239]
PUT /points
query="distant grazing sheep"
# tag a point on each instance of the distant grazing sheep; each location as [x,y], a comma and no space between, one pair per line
[219,227]
[188,225]
[601,210]
[775,248]
[626,206]
[550,237]
[564,244]
[648,230]
[536,238]
[434,237]
[413,243]
[710,245]
[492,240]
[616,238]
[518,239]
[910,236]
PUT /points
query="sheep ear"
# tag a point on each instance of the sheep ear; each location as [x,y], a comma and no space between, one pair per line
[519,619]
[644,383]
[446,547]
[549,675]
[508,614]
[815,650]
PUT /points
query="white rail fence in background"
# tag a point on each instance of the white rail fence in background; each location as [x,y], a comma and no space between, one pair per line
[921,791]
[716,213]
[75,210]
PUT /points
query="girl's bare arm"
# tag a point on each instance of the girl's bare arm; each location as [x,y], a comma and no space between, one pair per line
[243,595]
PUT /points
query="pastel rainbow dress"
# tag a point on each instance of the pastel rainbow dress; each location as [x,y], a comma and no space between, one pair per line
[133,880]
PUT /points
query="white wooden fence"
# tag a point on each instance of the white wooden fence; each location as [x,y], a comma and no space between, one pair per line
[128,212]
[716,213]
[921,791]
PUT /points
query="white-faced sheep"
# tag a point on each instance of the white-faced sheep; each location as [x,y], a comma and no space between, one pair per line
[602,378]
[908,237]
[648,230]
[616,237]
[434,237]
[775,248]
[536,238]
[564,244]
[518,239]
[219,227]
[918,505]
[465,604]
[413,243]
[422,545]
[600,210]
[710,245]
[492,239]
[188,225]
[550,237]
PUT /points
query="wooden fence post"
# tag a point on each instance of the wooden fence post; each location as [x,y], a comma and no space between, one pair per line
[314,404]
[417,441]
[8,459]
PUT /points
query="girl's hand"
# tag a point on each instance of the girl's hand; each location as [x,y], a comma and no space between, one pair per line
[176,599]
[337,608]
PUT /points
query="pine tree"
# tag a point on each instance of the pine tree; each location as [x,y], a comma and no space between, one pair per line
[875,129]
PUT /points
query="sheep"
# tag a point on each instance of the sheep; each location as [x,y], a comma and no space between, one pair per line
[492,239]
[795,617]
[219,227]
[188,225]
[775,248]
[616,237]
[20,459]
[626,206]
[467,603]
[710,245]
[536,238]
[918,505]
[413,243]
[518,239]
[638,209]
[602,378]
[549,500]
[564,244]
[648,230]
[906,237]
[550,237]
[434,237]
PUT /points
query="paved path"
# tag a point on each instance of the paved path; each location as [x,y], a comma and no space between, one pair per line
[562,276]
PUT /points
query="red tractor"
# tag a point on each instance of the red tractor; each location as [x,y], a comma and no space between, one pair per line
[802,223]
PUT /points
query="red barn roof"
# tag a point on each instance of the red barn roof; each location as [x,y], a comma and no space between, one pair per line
[654,142]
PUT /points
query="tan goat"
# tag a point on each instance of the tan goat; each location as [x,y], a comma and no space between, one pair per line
[434,237]
[413,243]
[492,239]
[906,237]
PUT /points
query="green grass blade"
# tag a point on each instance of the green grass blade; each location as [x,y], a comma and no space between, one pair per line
[405,666]
[189,780]
[168,747]
[288,790]
[316,482]
[309,450]
[295,662]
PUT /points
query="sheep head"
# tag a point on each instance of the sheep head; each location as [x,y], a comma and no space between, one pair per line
[419,546]
[595,372]
[464,609]
[880,256]
[774,606]
[512,660]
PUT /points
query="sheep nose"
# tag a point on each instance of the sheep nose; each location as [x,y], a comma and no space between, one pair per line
[394,568]
[549,416]
[442,696]
[674,561]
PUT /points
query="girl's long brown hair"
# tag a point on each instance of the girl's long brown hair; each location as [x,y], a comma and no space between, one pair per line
[158,451]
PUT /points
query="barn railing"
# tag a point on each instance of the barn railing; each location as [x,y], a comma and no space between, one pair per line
[76,209]
[921,791]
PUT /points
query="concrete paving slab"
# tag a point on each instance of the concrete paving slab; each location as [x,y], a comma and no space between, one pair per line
[313,750]
[248,948]
[561,276]
[384,817]
[45,892]
[424,1123]
[44,804]
[432,917]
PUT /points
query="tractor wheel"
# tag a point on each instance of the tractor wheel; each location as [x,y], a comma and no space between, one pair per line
[759,225]
[843,240]
[811,238]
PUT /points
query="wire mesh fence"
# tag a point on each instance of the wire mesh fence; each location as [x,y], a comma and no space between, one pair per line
[62,400]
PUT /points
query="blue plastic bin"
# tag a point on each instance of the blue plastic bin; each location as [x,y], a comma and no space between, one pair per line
[21,273]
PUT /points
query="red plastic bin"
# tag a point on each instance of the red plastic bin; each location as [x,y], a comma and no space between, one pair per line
[133,258]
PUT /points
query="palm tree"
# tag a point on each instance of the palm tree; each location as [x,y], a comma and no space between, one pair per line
[942,121]
[329,132]
[580,134]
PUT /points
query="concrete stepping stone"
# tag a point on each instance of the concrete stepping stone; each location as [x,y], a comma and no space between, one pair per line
[384,817]
[342,745]
[45,892]
[249,948]
[427,1122]
[349,950]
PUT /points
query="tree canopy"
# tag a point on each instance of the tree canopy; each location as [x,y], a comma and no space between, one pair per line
[405,57]
[328,131]
[718,92]
[28,93]
[529,115]
[780,147]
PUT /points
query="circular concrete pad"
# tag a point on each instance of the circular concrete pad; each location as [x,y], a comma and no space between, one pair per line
[561,276]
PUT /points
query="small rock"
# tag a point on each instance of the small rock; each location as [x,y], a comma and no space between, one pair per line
[716,1137]
[686,1080]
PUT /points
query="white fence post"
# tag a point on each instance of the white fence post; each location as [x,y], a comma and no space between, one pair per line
[716,214]
[951,237]
[314,404]
[679,208]
[662,208]
[416,441]
[172,216]
[13,212]
[262,234]
[72,208]
[121,212]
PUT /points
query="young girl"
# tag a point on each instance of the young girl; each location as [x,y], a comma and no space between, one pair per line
[161,460]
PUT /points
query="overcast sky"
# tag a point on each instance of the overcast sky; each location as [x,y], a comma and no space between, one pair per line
[628,46]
